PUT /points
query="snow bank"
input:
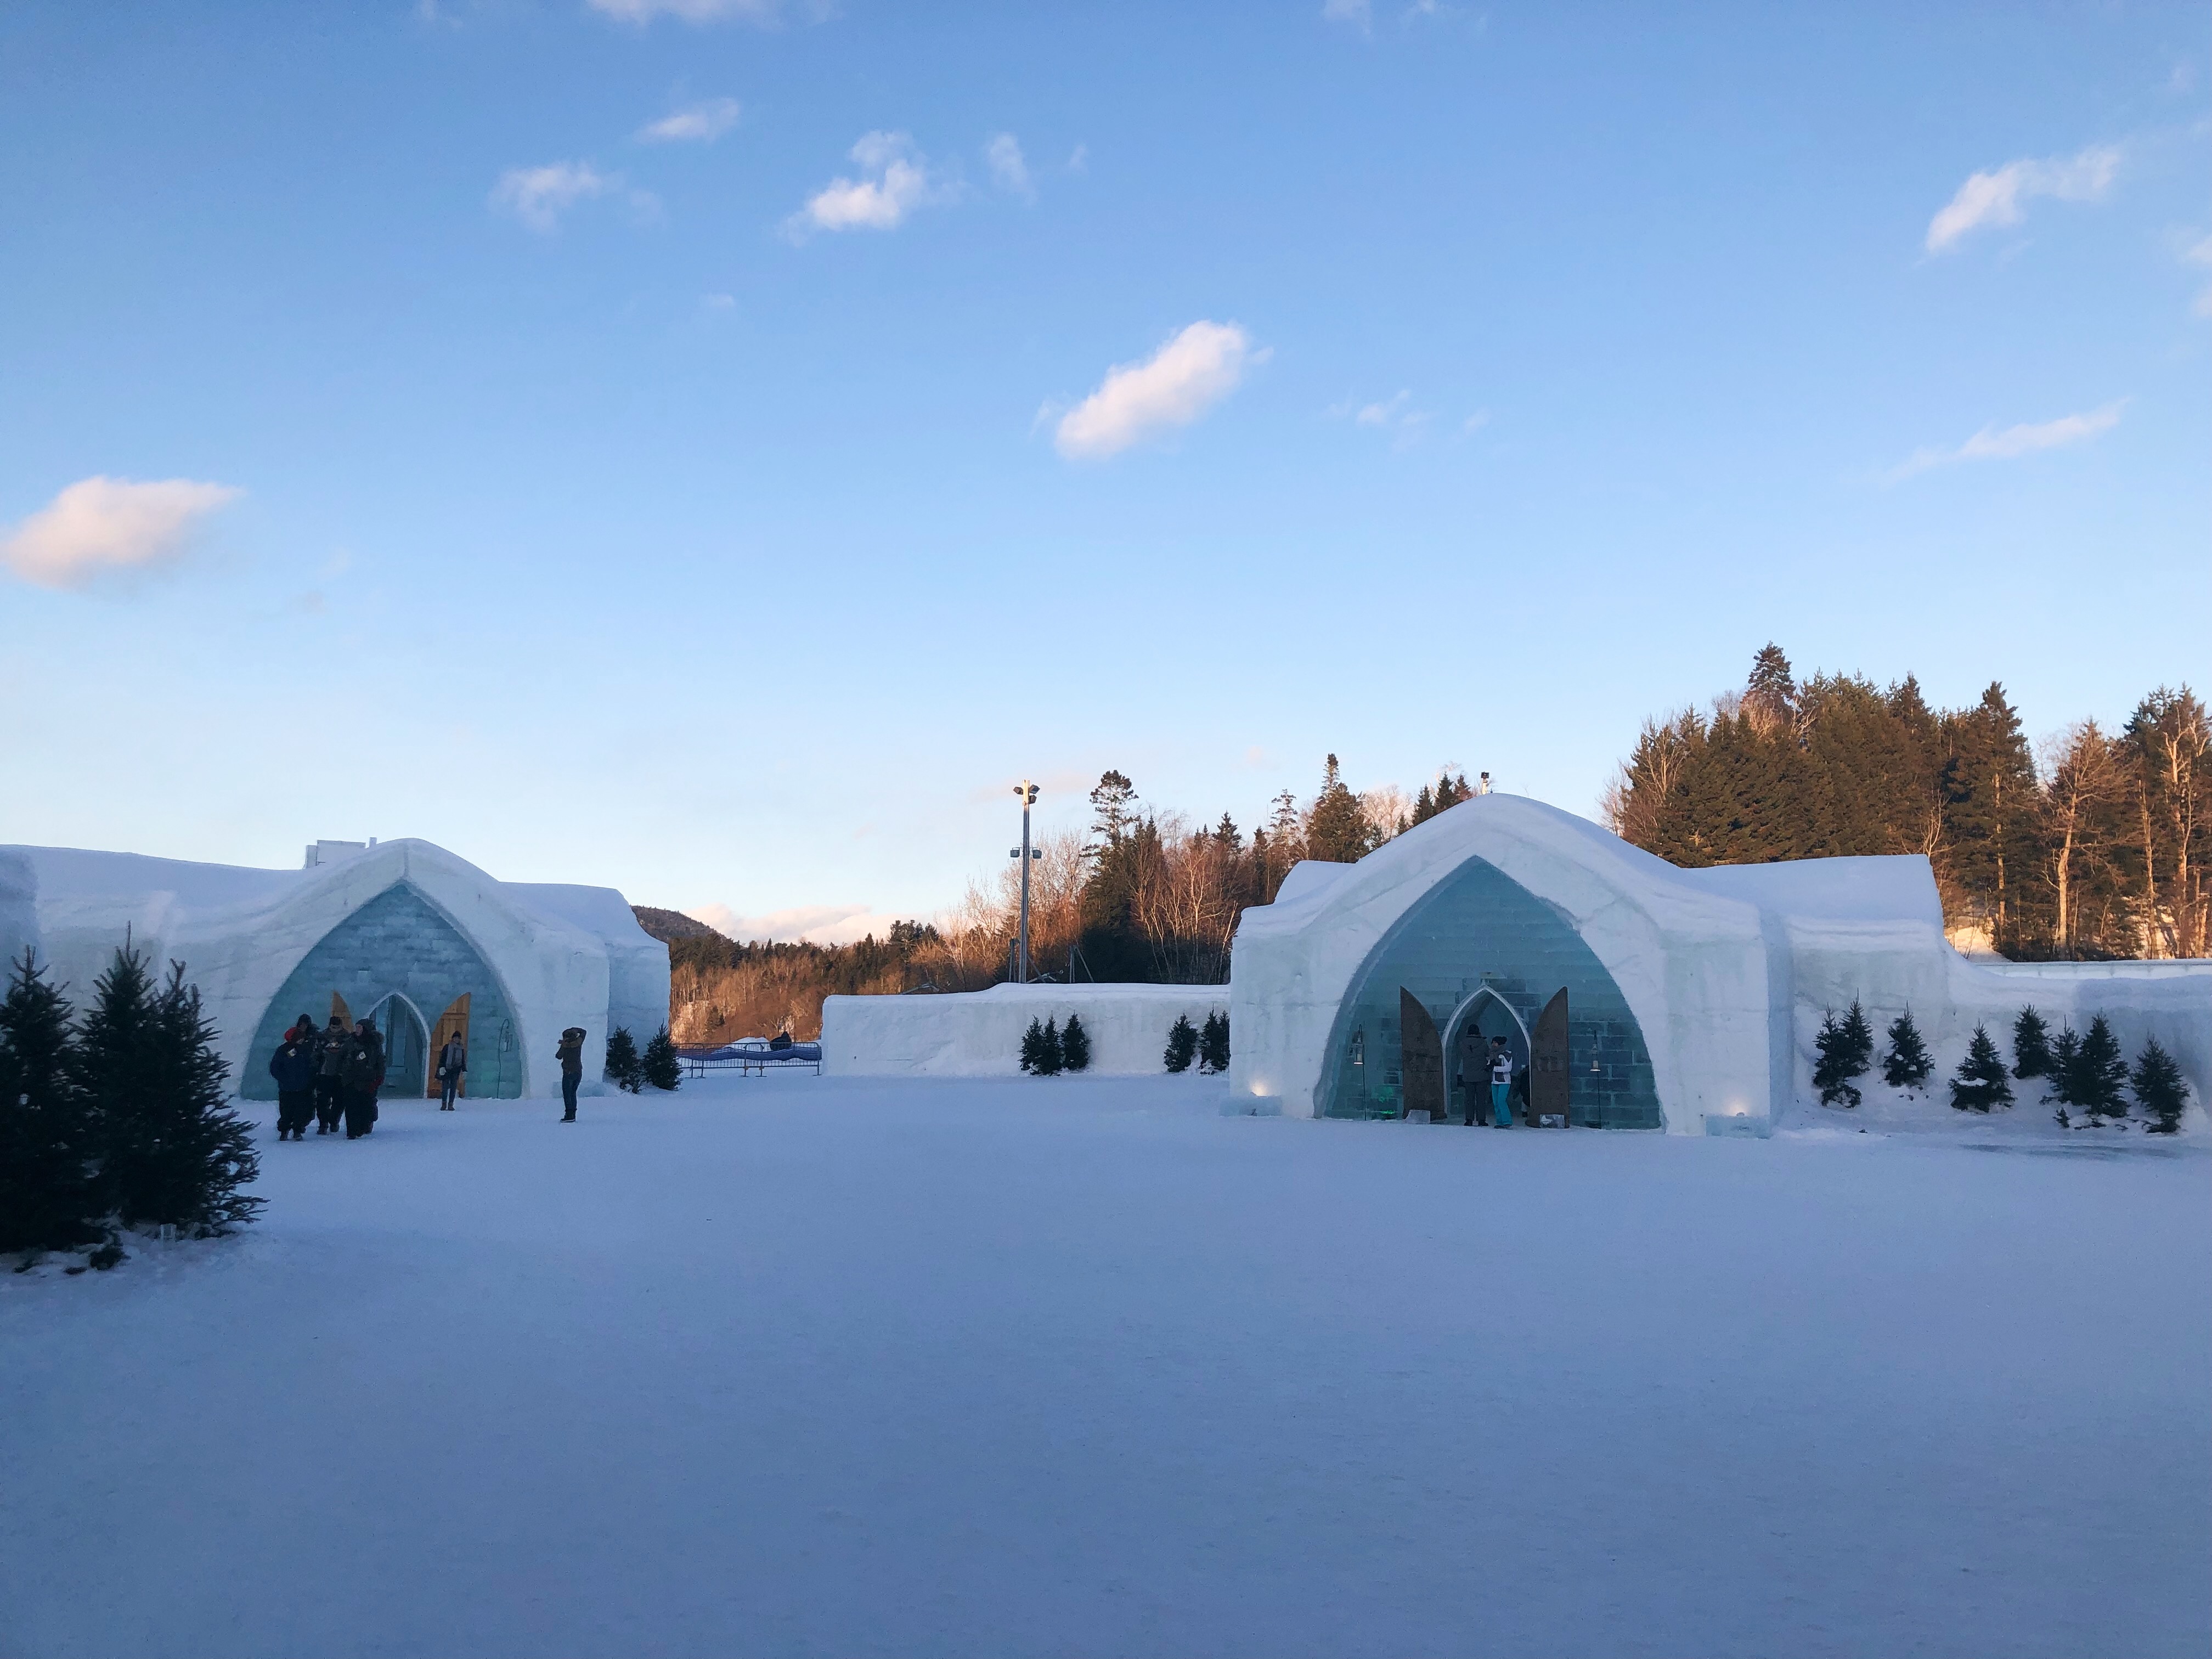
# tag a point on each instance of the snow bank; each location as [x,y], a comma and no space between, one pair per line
[979,1033]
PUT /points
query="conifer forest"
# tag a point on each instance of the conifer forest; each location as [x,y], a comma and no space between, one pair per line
[2094,845]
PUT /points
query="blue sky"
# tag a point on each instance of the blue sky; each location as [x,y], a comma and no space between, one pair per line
[403,436]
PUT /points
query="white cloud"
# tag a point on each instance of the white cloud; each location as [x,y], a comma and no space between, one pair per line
[2201,254]
[540,196]
[99,524]
[1174,386]
[816,924]
[1078,159]
[1997,198]
[895,180]
[1358,13]
[762,12]
[698,124]
[1008,169]
[1991,444]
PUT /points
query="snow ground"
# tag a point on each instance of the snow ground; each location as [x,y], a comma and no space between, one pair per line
[804,1366]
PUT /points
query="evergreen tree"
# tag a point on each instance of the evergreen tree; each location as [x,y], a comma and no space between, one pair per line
[175,1152]
[1770,696]
[662,1066]
[624,1070]
[2103,1070]
[1075,1046]
[1213,1043]
[1980,1082]
[1906,1065]
[2031,1045]
[1845,1049]
[1033,1047]
[48,1199]
[2065,1072]
[2159,1089]
[1052,1055]
[1337,832]
[1183,1044]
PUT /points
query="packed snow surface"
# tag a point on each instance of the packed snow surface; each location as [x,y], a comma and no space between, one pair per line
[799,1366]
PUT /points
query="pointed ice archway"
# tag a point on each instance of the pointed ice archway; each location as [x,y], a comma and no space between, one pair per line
[398,944]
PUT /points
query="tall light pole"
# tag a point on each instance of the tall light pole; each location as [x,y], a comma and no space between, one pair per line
[1026,854]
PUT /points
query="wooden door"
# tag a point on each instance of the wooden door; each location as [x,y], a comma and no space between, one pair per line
[1548,1064]
[453,1022]
[1423,1061]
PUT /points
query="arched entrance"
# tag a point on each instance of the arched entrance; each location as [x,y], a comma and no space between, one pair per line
[1481,1017]
[407,1046]
[396,944]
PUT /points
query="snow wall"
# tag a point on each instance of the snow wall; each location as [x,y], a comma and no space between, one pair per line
[1725,971]
[558,956]
[979,1033]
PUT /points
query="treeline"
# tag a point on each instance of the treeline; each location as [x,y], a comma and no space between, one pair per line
[116,1117]
[2096,849]
[1141,896]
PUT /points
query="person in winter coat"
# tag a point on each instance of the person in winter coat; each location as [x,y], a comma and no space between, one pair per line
[452,1060]
[359,1072]
[330,1056]
[293,1065]
[570,1054]
[1501,1084]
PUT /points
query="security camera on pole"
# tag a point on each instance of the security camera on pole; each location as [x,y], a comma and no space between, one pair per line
[1026,854]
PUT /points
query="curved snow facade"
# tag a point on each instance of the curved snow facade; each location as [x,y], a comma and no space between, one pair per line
[425,942]
[1646,995]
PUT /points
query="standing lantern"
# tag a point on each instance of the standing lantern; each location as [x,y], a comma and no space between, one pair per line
[1026,854]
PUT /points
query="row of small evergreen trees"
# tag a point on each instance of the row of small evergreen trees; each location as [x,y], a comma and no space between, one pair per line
[1049,1048]
[659,1064]
[115,1117]
[2086,1072]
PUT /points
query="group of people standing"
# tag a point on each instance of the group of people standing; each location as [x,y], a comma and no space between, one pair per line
[333,1075]
[327,1075]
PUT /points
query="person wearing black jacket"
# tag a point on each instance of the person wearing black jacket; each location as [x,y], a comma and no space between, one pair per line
[330,1058]
[361,1072]
[293,1065]
[453,1062]
[570,1054]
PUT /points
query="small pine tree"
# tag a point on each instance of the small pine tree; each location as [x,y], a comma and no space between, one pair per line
[2064,1072]
[1980,1082]
[1183,1044]
[623,1069]
[48,1199]
[2159,1089]
[1033,1047]
[1906,1065]
[1842,1054]
[1052,1054]
[2031,1045]
[2103,1070]
[1213,1043]
[1075,1046]
[176,1152]
[662,1066]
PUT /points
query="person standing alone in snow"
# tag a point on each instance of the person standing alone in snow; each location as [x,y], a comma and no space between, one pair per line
[452,1060]
[570,1054]
[293,1065]
[1501,1084]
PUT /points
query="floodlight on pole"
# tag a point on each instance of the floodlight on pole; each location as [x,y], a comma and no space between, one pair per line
[1027,854]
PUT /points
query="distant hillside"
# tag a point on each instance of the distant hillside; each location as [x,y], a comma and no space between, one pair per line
[669,925]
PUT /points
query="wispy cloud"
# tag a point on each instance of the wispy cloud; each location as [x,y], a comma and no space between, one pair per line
[1998,197]
[697,124]
[1009,171]
[101,524]
[1358,13]
[540,196]
[1174,386]
[2200,253]
[814,924]
[2010,443]
[760,12]
[894,180]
